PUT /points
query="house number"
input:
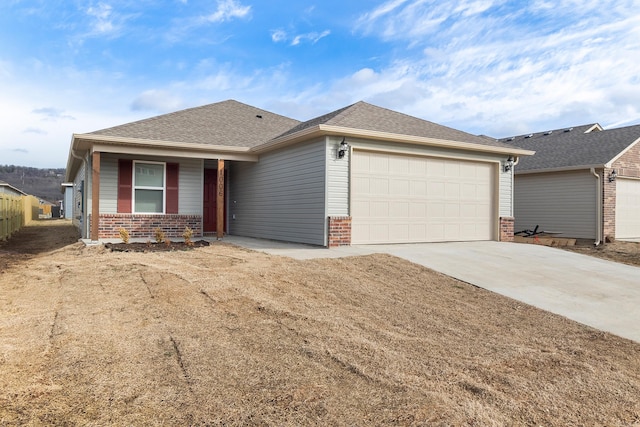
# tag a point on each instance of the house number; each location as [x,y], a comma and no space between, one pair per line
[221,183]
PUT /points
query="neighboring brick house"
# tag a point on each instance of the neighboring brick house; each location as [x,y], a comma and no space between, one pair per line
[358,175]
[583,182]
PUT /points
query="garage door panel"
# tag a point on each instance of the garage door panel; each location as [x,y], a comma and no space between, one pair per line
[627,208]
[420,199]
[400,187]
[418,210]
[435,189]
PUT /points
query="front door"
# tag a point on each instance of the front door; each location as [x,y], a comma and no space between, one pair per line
[209,200]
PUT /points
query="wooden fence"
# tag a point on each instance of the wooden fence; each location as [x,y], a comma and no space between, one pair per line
[15,212]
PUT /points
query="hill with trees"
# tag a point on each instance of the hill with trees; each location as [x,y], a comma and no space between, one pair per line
[42,183]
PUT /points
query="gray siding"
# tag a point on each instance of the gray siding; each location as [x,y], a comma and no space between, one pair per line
[68,202]
[190,183]
[78,214]
[108,184]
[281,197]
[191,186]
[563,202]
[337,180]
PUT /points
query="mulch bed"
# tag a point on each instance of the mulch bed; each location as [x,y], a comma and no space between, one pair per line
[155,246]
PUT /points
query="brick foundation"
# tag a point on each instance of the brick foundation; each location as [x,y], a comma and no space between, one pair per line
[506,228]
[339,231]
[143,226]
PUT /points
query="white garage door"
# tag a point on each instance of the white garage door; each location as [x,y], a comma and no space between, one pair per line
[402,198]
[627,208]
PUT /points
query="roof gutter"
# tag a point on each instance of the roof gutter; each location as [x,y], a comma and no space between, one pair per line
[322,130]
[184,146]
[560,169]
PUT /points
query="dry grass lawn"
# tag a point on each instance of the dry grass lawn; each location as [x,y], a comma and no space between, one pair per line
[225,336]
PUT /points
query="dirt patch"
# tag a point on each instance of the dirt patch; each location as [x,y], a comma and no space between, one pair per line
[619,251]
[221,335]
[39,237]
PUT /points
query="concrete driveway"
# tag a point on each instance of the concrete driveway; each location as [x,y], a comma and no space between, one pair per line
[592,291]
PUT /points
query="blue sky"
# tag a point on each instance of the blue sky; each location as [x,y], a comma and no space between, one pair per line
[483,66]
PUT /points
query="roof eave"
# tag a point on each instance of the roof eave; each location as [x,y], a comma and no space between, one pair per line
[17,190]
[83,143]
[323,130]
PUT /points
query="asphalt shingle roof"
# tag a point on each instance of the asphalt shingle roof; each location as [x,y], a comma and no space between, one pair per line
[226,123]
[562,148]
[364,116]
[231,123]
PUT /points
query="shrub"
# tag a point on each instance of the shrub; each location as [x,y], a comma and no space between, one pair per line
[159,235]
[124,234]
[188,234]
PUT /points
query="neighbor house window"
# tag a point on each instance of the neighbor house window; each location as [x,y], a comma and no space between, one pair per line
[148,187]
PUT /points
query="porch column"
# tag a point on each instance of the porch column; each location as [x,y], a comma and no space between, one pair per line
[220,201]
[95,196]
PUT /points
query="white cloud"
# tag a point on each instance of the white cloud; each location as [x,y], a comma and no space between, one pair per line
[227,10]
[519,68]
[51,113]
[277,36]
[102,19]
[313,37]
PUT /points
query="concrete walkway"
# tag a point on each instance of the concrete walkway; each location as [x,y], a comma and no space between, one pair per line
[592,291]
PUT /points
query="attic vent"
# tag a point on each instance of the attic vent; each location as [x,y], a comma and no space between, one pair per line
[568,130]
[529,136]
[258,116]
[549,132]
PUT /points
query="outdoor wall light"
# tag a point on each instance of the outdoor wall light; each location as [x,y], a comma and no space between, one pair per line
[342,148]
[508,165]
[613,175]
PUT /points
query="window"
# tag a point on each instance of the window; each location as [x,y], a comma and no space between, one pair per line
[148,187]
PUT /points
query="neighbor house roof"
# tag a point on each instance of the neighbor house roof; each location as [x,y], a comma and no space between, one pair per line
[573,148]
[11,187]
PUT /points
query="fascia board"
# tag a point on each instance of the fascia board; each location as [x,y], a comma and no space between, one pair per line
[168,152]
[84,142]
[179,146]
[594,127]
[384,136]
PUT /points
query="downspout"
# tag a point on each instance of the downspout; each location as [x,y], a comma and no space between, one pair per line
[598,208]
[513,189]
[85,223]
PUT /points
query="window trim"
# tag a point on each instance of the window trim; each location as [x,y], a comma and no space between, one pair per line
[134,187]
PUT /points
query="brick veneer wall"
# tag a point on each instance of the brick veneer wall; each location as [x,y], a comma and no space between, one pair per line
[608,204]
[339,231]
[143,226]
[628,166]
[506,228]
